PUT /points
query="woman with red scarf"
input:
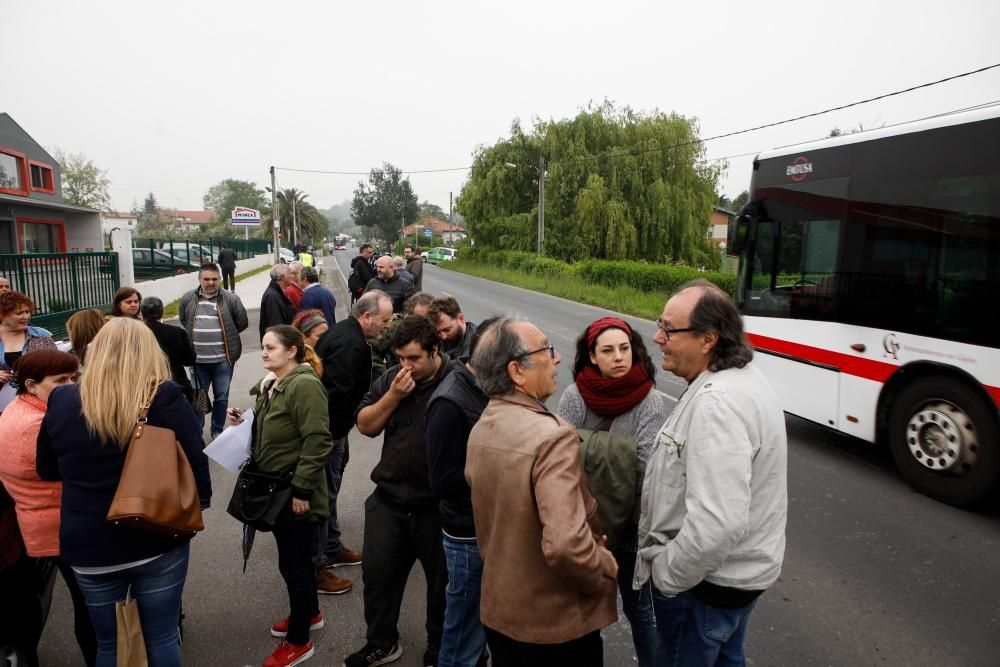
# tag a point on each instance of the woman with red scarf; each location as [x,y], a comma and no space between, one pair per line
[614,390]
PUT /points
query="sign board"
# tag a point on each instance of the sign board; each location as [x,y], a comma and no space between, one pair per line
[428,232]
[246,216]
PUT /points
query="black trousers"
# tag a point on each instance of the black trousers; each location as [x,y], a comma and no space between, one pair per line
[229,278]
[394,539]
[587,651]
[295,544]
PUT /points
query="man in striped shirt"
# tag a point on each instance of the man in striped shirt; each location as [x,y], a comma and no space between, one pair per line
[214,319]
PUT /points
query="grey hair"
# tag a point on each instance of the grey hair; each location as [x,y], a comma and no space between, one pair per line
[278,270]
[151,308]
[310,274]
[369,302]
[398,262]
[296,265]
[494,352]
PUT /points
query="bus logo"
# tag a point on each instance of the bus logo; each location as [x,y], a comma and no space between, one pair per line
[799,168]
[890,346]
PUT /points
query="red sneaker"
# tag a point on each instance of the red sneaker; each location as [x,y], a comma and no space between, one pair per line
[280,629]
[287,654]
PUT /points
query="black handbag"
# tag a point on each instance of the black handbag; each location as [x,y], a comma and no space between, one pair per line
[261,499]
[199,396]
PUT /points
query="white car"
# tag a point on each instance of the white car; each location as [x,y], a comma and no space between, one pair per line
[287,256]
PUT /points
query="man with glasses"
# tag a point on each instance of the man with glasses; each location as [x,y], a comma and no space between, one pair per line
[714,499]
[347,376]
[548,583]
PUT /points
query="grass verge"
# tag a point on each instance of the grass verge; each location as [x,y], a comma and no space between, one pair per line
[647,305]
[172,309]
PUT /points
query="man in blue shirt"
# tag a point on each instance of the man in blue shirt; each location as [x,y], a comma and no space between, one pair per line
[315,295]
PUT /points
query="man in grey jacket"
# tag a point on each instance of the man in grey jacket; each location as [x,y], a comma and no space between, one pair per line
[214,319]
[715,497]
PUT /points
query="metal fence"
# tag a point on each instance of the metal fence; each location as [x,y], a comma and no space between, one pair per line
[62,283]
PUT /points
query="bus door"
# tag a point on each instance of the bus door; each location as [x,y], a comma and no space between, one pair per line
[789,297]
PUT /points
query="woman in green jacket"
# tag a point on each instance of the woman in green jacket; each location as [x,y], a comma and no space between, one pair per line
[292,431]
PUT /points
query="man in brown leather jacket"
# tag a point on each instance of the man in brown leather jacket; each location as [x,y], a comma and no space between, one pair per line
[548,581]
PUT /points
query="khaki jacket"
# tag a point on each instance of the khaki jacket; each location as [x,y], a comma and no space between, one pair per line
[545,578]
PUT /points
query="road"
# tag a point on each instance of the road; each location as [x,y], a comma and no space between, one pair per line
[875,574]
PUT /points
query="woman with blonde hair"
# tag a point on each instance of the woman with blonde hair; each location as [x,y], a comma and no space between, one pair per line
[81,327]
[82,442]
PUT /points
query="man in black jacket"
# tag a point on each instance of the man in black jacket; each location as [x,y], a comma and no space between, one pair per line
[396,288]
[347,376]
[174,342]
[275,307]
[401,517]
[362,267]
[227,262]
[453,410]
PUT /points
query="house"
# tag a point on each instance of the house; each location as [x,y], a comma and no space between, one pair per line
[33,216]
[118,219]
[718,226]
[188,220]
[450,233]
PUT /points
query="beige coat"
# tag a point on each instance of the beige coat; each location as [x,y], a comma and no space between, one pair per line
[545,579]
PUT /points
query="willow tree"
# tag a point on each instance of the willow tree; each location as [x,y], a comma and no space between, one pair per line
[619,184]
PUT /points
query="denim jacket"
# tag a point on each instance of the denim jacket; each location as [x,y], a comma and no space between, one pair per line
[35,338]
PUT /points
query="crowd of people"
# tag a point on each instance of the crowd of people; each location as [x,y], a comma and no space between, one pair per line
[529,523]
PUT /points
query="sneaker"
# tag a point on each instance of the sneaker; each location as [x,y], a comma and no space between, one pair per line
[280,629]
[287,654]
[345,557]
[327,583]
[370,656]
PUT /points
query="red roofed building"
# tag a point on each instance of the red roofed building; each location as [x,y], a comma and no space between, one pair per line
[448,232]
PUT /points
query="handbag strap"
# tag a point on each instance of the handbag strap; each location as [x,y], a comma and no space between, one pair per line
[140,422]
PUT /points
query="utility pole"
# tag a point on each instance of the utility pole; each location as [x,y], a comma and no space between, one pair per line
[295,225]
[451,209]
[274,215]
[541,204]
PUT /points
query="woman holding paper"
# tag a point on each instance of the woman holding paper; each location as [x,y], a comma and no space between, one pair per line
[292,432]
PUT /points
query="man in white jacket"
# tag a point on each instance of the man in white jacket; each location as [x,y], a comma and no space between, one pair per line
[714,498]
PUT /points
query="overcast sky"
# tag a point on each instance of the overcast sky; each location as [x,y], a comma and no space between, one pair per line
[172,97]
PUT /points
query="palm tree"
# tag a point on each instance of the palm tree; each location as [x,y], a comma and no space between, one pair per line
[309,222]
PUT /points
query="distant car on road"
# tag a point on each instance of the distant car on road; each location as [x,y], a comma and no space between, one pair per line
[438,255]
[287,256]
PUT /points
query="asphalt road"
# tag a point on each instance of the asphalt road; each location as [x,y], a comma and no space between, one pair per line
[875,574]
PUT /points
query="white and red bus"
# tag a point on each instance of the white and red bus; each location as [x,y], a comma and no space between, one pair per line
[869,281]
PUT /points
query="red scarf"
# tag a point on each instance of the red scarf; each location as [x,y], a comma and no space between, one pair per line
[610,397]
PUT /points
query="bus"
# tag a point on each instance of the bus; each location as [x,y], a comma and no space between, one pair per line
[869,282]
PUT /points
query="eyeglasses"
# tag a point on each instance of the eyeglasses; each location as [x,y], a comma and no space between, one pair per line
[668,332]
[550,347]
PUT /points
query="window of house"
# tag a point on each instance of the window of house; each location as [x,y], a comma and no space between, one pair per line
[38,237]
[41,177]
[12,173]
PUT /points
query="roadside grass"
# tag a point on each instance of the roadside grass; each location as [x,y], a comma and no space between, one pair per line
[627,300]
[172,309]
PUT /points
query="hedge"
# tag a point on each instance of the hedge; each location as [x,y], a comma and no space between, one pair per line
[663,278]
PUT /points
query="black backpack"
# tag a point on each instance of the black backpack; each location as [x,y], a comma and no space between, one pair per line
[355,284]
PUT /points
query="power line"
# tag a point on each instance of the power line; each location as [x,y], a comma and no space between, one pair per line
[693,141]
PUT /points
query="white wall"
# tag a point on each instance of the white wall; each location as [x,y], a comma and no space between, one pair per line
[172,288]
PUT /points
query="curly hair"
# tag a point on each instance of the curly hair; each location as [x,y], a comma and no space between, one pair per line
[11,301]
[639,353]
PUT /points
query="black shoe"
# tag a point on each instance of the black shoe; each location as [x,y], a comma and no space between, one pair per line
[430,658]
[370,656]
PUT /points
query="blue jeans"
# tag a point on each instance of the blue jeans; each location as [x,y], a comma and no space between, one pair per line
[463,642]
[695,633]
[157,587]
[218,375]
[638,608]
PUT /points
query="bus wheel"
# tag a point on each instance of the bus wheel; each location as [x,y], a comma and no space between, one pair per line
[943,438]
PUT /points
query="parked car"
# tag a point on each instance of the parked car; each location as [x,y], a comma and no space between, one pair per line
[159,263]
[194,252]
[287,256]
[437,255]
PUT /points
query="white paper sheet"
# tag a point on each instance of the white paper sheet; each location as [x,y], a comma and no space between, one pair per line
[232,447]
[7,394]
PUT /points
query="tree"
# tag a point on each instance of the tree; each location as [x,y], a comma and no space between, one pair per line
[386,203]
[740,201]
[619,184]
[311,223]
[226,195]
[83,183]
[153,222]
[429,209]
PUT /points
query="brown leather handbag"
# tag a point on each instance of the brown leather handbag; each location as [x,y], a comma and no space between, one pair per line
[157,492]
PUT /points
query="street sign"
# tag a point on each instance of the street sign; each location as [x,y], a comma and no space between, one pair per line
[428,232]
[246,216]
